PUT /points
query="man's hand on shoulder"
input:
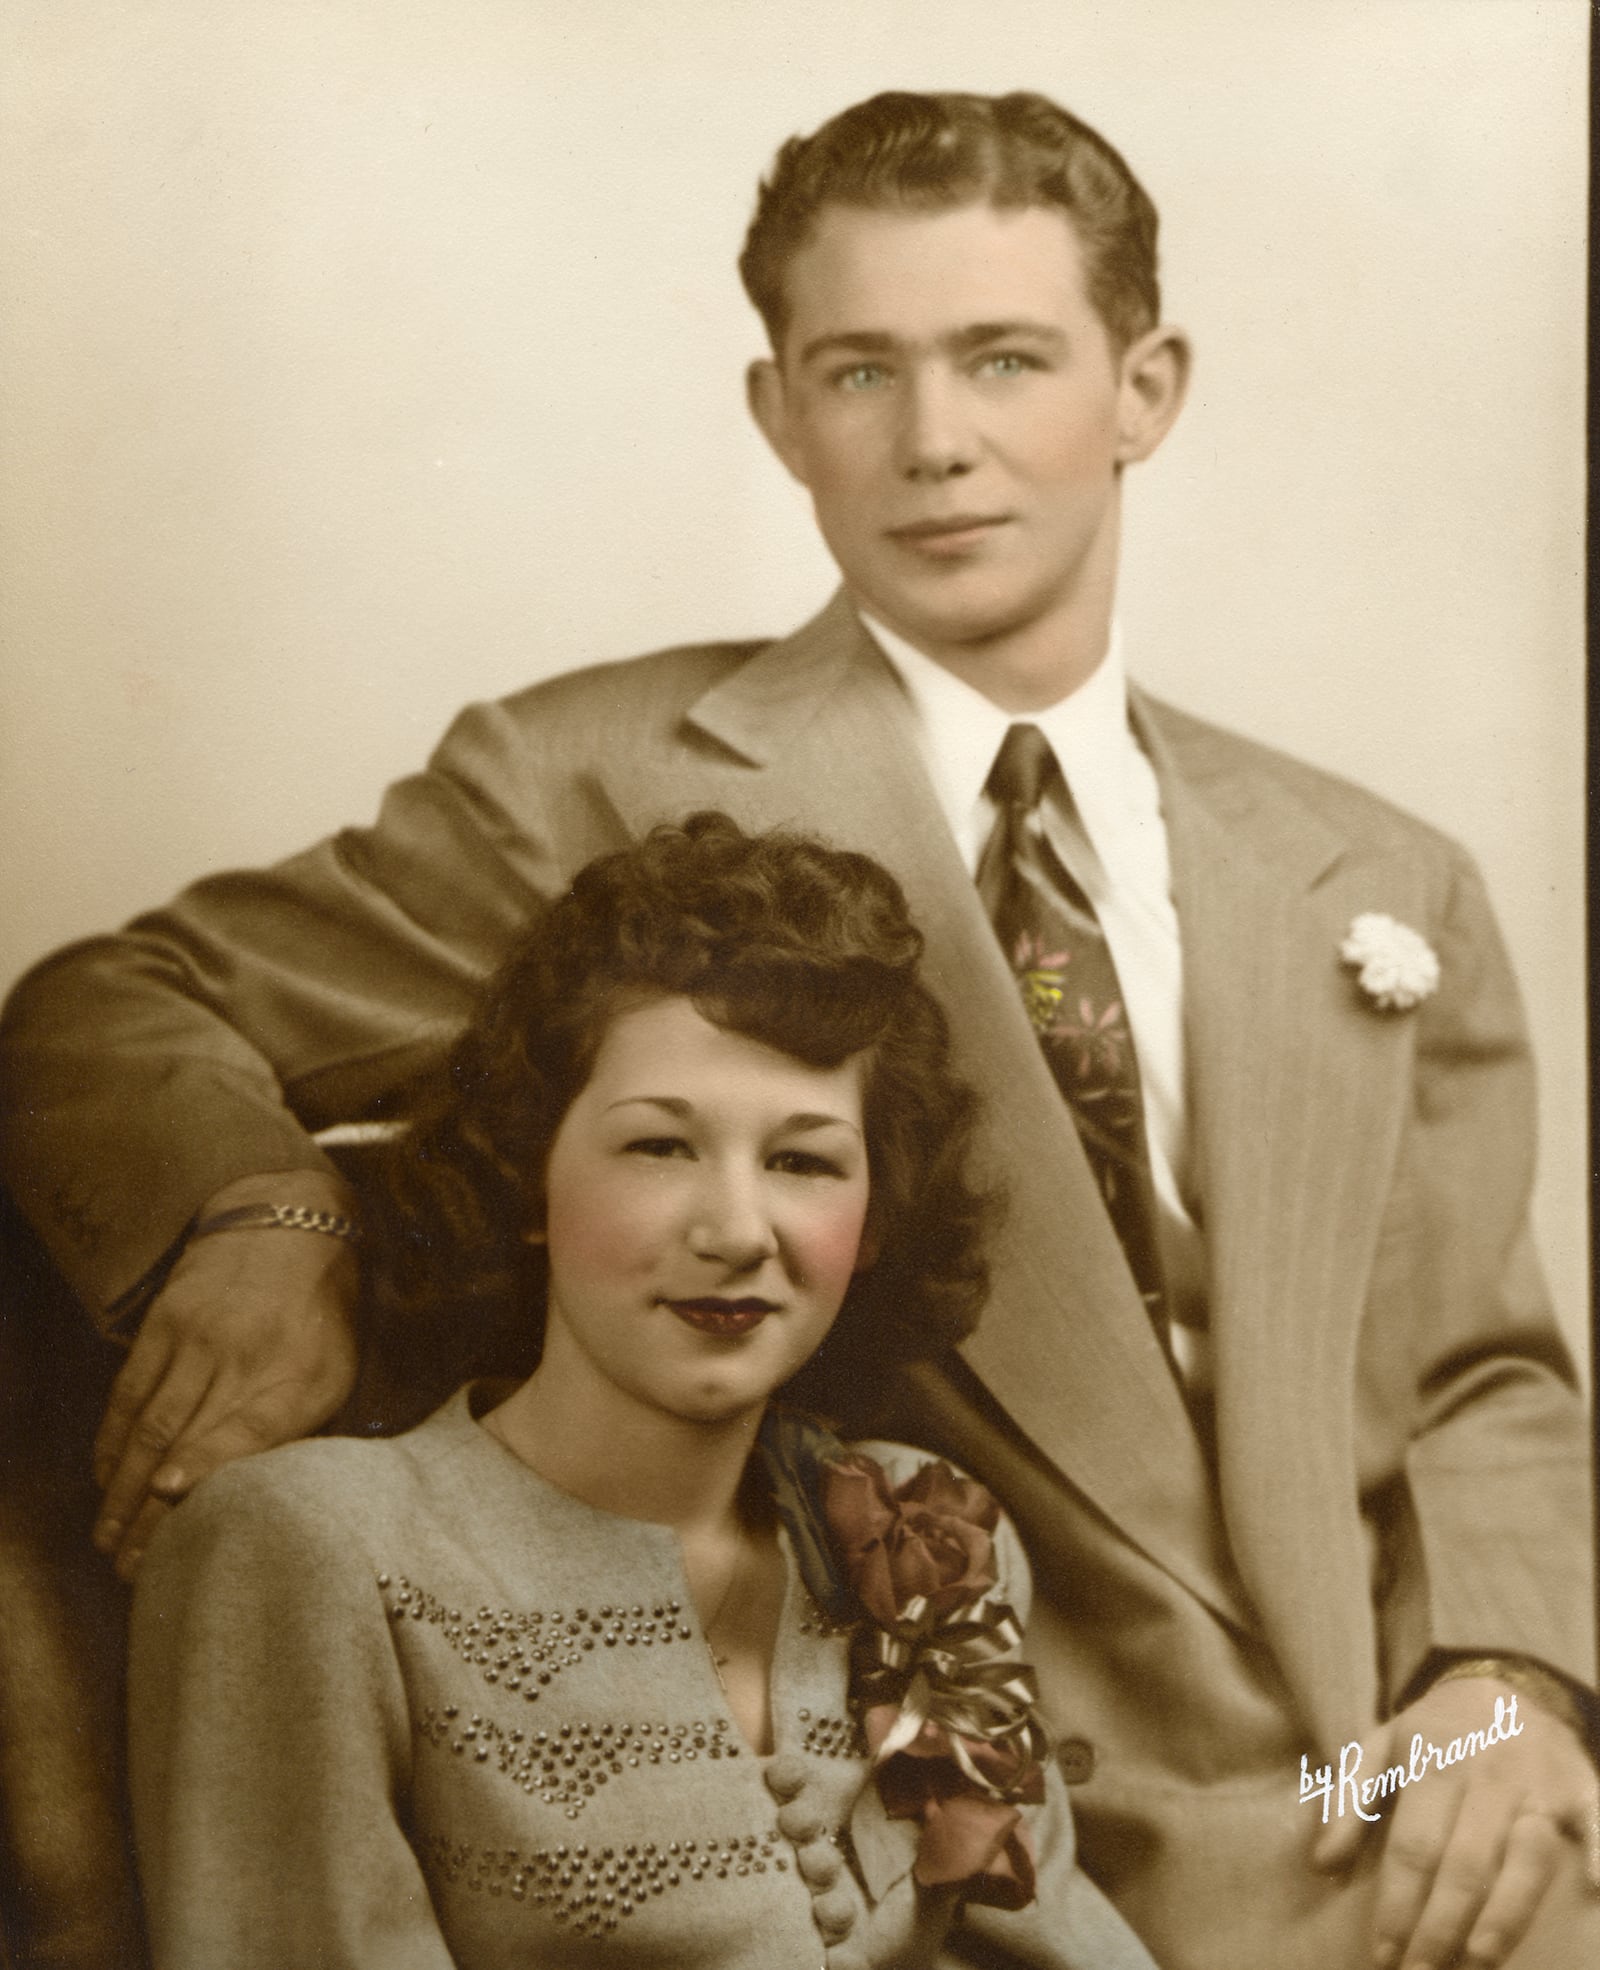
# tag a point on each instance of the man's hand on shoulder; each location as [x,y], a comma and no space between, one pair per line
[250,1343]
[1470,1851]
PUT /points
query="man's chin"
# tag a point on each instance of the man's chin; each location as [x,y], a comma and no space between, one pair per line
[953,624]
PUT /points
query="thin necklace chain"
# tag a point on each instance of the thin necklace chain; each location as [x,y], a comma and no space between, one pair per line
[496,1429]
[719,1662]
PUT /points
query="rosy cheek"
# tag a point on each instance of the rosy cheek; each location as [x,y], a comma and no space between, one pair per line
[830,1248]
[590,1232]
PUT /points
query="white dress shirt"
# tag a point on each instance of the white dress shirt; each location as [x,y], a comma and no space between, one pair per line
[1113,840]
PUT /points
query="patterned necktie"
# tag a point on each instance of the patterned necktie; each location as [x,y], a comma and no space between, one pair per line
[1051,936]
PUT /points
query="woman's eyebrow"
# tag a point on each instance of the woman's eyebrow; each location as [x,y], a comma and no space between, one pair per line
[674,1104]
[682,1109]
[809,1121]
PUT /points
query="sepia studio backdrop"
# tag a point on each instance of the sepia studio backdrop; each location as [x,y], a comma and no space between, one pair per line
[368,356]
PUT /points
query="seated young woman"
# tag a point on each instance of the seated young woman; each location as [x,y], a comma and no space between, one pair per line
[630,1665]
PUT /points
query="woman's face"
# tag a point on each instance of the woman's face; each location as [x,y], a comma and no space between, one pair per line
[705,1197]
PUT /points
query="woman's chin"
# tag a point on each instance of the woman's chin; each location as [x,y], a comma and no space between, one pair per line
[720,1404]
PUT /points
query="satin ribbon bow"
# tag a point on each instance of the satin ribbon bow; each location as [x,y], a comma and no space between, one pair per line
[949,1718]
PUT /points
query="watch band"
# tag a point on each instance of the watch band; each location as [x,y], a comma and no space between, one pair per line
[277,1217]
[1542,1686]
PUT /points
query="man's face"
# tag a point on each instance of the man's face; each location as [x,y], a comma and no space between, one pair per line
[951,399]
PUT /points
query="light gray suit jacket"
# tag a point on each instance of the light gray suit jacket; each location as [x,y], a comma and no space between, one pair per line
[1402,1459]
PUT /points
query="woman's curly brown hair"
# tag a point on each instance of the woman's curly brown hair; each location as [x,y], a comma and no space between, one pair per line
[806,948]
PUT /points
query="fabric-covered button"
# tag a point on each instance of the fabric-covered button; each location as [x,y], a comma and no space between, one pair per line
[799,1821]
[785,1775]
[834,1914]
[819,1863]
[1075,1757]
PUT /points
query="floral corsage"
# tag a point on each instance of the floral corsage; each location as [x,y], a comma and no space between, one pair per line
[947,1708]
[1395,965]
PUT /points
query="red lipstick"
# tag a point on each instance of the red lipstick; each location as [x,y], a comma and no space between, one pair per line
[727,1318]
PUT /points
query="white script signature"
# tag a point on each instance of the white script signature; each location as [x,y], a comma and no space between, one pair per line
[1382,1785]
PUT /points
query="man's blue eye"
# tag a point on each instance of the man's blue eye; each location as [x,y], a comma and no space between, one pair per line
[1008,363]
[862,376]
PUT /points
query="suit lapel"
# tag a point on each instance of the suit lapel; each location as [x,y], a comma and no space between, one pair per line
[815,733]
[1297,1101]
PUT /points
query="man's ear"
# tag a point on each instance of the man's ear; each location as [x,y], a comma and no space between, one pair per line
[768,399]
[1155,380]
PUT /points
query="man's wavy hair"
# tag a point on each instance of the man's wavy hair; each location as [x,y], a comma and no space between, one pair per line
[926,153]
[805,948]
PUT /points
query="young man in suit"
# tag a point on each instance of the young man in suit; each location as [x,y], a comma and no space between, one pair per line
[1268,1377]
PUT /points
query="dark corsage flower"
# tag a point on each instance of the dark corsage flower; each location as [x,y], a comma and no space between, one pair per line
[930,1541]
[968,1796]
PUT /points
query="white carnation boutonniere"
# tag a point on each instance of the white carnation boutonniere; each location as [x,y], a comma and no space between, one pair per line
[1395,965]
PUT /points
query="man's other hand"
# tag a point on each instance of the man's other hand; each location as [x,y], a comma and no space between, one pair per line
[1469,1851]
[250,1343]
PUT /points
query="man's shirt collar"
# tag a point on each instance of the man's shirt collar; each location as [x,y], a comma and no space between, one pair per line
[961,732]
